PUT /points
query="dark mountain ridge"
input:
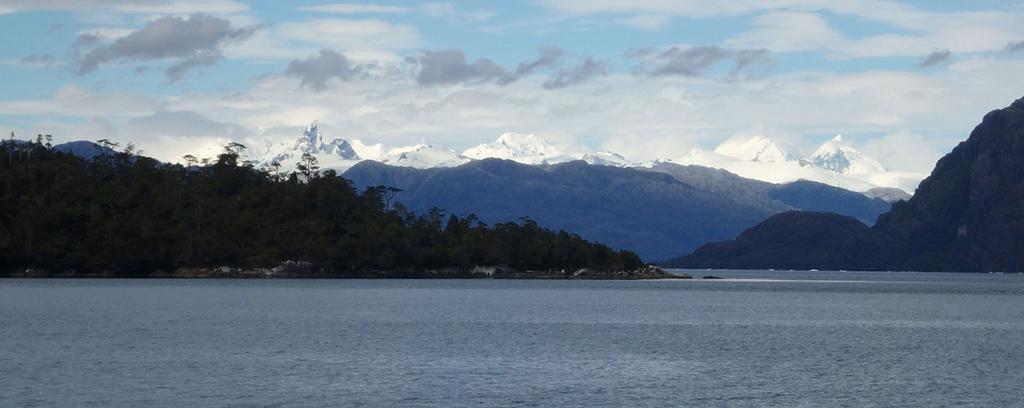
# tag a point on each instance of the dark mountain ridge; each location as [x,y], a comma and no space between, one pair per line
[654,212]
[968,215]
[800,194]
[84,149]
[120,215]
[660,211]
[627,208]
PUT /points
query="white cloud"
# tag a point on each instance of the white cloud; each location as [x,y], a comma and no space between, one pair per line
[450,12]
[92,129]
[443,10]
[915,32]
[351,34]
[106,34]
[642,118]
[165,135]
[690,8]
[646,21]
[904,151]
[73,100]
[360,39]
[354,8]
[788,31]
[133,6]
[185,7]
[641,148]
[798,25]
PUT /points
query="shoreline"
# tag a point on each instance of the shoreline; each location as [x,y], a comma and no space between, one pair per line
[306,270]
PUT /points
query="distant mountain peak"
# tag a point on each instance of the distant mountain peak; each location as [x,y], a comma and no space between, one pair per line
[338,153]
[758,157]
[606,158]
[84,149]
[367,151]
[312,142]
[424,156]
[842,158]
[834,162]
[523,148]
[312,132]
[758,148]
[521,140]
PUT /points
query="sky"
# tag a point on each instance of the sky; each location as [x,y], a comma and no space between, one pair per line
[903,81]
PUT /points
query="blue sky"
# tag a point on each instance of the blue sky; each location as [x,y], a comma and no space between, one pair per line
[646,78]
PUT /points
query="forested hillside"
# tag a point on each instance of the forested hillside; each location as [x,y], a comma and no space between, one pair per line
[656,213]
[132,216]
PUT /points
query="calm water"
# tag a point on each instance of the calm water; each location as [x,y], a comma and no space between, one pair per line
[765,339]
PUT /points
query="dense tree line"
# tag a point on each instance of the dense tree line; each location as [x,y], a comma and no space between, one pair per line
[132,215]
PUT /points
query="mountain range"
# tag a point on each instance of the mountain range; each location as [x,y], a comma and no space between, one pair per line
[968,215]
[657,212]
[658,209]
[834,163]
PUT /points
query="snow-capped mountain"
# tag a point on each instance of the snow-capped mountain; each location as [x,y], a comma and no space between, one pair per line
[336,154]
[606,158]
[761,158]
[772,171]
[341,154]
[843,159]
[758,149]
[424,156]
[527,149]
[531,149]
[313,142]
[834,162]
[368,152]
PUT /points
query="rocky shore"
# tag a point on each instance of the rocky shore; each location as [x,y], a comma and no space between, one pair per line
[307,270]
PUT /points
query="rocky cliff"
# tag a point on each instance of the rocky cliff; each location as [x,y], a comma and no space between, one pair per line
[968,215]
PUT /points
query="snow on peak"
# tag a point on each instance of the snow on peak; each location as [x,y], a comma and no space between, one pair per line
[424,156]
[835,163]
[336,154]
[841,158]
[312,142]
[523,148]
[312,134]
[772,171]
[607,158]
[758,149]
[369,152]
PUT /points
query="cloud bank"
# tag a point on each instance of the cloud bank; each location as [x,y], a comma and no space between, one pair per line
[315,71]
[191,42]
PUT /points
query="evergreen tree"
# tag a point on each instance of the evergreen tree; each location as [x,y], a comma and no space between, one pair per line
[133,216]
